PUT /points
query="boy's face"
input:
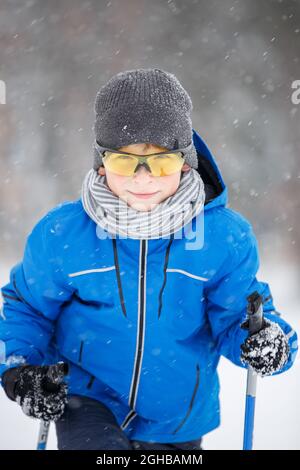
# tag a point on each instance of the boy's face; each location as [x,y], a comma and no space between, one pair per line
[142,191]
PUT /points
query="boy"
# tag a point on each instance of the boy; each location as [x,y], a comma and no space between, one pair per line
[112,285]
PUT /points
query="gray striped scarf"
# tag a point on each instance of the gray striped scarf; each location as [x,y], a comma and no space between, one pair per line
[115,216]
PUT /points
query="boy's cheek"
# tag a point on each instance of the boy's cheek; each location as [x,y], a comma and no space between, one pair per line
[116,183]
[120,185]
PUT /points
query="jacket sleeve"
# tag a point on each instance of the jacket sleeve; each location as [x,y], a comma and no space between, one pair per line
[31,302]
[226,299]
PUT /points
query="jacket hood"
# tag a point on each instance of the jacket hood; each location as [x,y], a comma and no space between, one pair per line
[215,188]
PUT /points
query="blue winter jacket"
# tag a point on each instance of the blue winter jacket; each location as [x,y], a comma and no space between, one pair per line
[141,323]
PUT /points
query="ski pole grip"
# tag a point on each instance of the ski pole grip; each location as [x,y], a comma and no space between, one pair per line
[57,372]
[255,312]
[55,375]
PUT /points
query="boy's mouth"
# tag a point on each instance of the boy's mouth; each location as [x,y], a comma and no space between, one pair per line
[143,195]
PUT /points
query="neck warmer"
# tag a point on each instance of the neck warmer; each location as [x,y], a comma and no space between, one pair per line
[115,216]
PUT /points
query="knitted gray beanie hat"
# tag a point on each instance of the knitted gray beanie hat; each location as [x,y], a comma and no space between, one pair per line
[143,105]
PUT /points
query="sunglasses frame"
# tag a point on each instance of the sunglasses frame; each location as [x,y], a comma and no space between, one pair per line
[102,151]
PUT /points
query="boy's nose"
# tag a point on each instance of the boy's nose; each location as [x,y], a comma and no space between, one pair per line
[143,171]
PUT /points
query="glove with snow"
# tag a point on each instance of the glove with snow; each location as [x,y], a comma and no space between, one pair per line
[266,351]
[38,396]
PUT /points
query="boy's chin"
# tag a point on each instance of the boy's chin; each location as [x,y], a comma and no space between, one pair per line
[142,206]
[138,204]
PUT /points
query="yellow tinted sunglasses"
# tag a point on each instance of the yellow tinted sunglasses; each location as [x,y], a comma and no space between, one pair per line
[159,164]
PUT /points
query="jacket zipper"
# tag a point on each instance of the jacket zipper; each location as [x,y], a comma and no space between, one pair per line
[91,381]
[142,279]
[80,352]
[191,402]
[114,242]
[92,378]
[165,274]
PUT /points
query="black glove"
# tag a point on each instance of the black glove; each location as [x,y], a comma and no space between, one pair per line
[37,395]
[266,351]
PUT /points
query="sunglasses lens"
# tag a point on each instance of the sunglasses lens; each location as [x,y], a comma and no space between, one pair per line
[160,165]
[166,164]
[120,164]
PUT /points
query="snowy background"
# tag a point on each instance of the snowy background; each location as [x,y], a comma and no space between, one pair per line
[237,59]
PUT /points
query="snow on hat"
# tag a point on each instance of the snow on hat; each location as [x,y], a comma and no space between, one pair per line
[143,105]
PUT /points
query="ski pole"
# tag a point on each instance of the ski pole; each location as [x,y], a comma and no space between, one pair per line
[55,376]
[43,435]
[255,317]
